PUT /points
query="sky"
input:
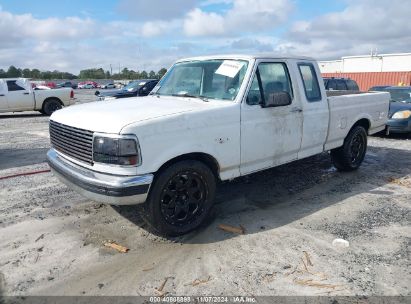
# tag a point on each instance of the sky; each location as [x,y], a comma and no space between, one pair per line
[71,35]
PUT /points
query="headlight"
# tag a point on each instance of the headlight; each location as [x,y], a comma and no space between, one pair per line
[402,114]
[117,151]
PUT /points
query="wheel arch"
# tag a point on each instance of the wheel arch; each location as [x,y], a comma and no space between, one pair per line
[205,158]
[364,122]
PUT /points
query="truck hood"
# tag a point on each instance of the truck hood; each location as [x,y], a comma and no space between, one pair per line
[112,115]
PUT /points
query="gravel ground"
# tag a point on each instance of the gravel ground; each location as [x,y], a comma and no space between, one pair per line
[52,239]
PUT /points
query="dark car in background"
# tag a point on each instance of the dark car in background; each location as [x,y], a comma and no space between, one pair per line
[378,88]
[340,84]
[400,108]
[139,87]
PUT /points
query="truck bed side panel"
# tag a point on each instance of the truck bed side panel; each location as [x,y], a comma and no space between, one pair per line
[346,110]
[62,94]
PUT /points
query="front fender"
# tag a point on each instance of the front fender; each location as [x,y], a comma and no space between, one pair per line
[215,132]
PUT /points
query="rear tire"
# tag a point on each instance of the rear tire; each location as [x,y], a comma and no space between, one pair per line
[181,198]
[350,156]
[51,105]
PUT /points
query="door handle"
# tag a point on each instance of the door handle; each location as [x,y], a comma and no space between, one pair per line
[296,110]
[26,93]
[1,95]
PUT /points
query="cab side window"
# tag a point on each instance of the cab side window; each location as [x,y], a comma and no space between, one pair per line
[269,78]
[12,86]
[310,81]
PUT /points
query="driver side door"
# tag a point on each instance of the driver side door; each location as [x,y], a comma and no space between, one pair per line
[270,136]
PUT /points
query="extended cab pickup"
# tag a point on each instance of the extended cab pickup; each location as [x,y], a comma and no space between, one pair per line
[209,118]
[17,95]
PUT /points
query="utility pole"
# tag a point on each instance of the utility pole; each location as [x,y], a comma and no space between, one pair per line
[111,70]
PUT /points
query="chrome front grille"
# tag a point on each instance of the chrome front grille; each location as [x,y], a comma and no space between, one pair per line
[74,142]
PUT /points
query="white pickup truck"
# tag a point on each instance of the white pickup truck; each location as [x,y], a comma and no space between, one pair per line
[17,95]
[209,119]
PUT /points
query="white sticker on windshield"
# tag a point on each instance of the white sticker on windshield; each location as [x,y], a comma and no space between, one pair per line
[229,68]
[141,83]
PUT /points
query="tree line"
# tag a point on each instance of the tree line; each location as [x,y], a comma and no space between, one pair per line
[124,74]
[99,73]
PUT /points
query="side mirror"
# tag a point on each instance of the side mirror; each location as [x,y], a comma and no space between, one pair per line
[277,99]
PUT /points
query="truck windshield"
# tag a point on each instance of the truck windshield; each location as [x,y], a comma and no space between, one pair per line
[207,79]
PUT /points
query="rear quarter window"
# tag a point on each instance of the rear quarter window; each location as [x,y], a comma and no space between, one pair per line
[310,81]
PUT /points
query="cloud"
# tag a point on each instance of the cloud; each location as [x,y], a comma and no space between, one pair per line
[78,56]
[244,16]
[72,44]
[199,23]
[214,2]
[15,29]
[144,10]
[251,44]
[362,25]
[157,28]
[200,27]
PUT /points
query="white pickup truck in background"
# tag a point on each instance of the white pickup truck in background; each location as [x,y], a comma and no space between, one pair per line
[17,95]
[209,118]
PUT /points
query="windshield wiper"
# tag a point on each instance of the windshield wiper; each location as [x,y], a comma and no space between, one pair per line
[203,98]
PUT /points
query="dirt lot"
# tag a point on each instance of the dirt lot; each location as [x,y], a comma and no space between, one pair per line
[52,239]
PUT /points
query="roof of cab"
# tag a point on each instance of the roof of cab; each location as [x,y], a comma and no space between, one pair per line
[246,57]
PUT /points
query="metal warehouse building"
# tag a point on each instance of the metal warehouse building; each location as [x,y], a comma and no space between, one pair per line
[371,70]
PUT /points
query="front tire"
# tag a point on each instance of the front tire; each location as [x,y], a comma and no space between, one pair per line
[181,198]
[350,156]
[51,105]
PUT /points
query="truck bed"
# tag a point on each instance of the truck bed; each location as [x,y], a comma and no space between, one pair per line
[348,107]
[345,92]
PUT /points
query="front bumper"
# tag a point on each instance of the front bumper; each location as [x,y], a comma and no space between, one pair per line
[100,187]
[399,125]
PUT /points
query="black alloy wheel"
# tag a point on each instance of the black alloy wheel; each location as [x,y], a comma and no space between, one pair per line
[350,156]
[181,197]
[50,106]
[358,147]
